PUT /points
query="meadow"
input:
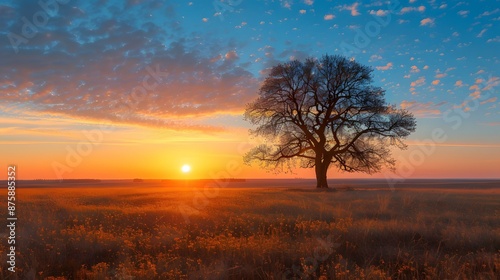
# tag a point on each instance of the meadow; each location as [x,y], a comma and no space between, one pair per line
[184,230]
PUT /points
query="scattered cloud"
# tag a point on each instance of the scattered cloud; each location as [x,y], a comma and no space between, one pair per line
[491,83]
[380,13]
[496,40]
[386,67]
[419,82]
[435,82]
[231,55]
[309,2]
[328,17]
[353,8]
[405,10]
[489,13]
[286,4]
[441,75]
[422,110]
[481,33]
[302,11]
[463,13]
[414,69]
[491,100]
[427,22]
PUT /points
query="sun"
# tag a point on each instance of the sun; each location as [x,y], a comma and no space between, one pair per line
[185,168]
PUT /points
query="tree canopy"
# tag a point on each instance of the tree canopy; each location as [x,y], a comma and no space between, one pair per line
[325,111]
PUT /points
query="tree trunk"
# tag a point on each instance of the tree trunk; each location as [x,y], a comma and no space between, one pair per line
[321,182]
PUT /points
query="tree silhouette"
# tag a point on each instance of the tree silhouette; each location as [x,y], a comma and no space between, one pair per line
[321,112]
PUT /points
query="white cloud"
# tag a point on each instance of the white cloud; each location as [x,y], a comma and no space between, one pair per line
[309,2]
[463,13]
[496,40]
[489,13]
[414,69]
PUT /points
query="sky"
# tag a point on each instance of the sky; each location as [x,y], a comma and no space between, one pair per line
[136,89]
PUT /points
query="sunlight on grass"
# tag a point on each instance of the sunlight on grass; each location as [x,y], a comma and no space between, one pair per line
[138,233]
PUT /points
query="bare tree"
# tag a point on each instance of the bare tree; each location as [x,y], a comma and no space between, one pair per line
[321,112]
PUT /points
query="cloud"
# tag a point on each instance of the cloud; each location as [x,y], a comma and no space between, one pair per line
[427,21]
[302,11]
[309,2]
[489,13]
[491,83]
[328,17]
[491,100]
[496,40]
[375,57]
[386,67]
[107,69]
[231,55]
[419,82]
[405,10]
[441,75]
[435,82]
[463,13]
[353,8]
[414,69]
[481,33]
[380,13]
[422,110]
[286,4]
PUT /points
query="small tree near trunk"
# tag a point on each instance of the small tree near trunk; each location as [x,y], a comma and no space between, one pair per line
[325,112]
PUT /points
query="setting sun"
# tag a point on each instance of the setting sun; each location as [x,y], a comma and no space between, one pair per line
[185,168]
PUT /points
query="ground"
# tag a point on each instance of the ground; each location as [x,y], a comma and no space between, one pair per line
[196,230]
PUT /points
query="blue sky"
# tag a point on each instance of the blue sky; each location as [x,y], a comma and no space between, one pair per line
[87,61]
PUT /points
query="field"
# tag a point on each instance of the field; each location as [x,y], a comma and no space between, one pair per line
[195,230]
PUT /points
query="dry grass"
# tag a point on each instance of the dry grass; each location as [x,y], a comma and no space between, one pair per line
[130,233]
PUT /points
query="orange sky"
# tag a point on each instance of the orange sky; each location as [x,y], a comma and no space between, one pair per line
[48,148]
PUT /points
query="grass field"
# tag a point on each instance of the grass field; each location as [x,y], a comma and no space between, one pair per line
[186,230]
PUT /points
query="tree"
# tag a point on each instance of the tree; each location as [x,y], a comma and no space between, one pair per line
[321,112]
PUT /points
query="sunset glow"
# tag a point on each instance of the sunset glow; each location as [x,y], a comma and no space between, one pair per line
[138,89]
[185,168]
